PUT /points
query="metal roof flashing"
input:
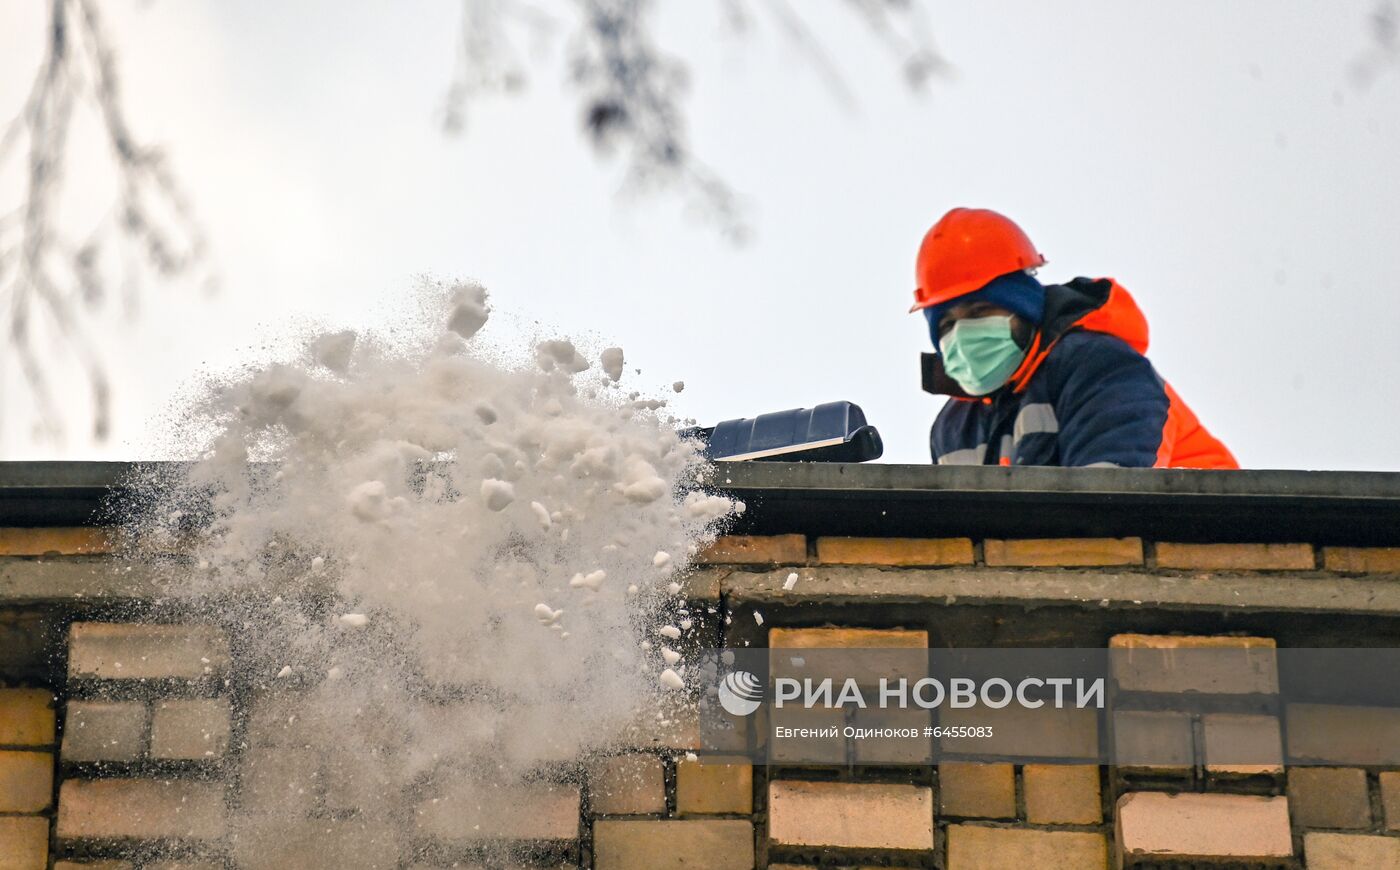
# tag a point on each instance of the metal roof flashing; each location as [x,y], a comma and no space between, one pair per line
[1323,507]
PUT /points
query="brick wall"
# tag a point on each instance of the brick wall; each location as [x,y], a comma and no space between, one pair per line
[132,754]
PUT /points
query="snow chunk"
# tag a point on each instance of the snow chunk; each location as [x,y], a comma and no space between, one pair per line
[758,617]
[673,588]
[469,309]
[640,482]
[645,491]
[497,494]
[672,680]
[662,559]
[590,581]
[285,672]
[707,508]
[613,362]
[546,614]
[353,620]
[333,350]
[790,582]
[669,631]
[559,354]
[678,386]
[541,514]
[271,393]
[370,501]
[670,656]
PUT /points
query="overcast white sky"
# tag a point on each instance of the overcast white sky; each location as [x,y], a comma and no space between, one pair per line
[1214,157]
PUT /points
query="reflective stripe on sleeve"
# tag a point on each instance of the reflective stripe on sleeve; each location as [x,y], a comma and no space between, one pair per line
[1035,419]
[967,456]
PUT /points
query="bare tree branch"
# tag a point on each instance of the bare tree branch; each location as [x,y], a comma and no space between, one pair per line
[52,276]
[1384,52]
[631,103]
[631,91]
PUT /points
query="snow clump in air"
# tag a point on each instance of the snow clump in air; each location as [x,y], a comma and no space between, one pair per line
[613,362]
[442,565]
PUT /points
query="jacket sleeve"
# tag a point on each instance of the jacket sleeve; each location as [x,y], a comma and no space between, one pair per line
[1111,406]
[954,437]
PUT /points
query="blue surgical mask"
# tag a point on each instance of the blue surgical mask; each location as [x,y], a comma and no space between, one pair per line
[980,353]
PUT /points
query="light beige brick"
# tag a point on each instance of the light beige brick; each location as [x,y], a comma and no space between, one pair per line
[104,731]
[1338,735]
[1362,560]
[353,786]
[1069,733]
[280,780]
[627,785]
[916,751]
[123,651]
[190,729]
[1184,827]
[971,790]
[1350,852]
[850,815]
[24,843]
[889,653]
[1205,664]
[973,847]
[1329,797]
[282,720]
[1158,741]
[1240,744]
[142,809]
[1236,557]
[1062,794]
[464,815]
[1390,799]
[755,550]
[283,844]
[827,749]
[691,844]
[59,541]
[26,717]
[1190,642]
[679,728]
[1062,552]
[899,552]
[847,638]
[26,781]
[709,788]
[829,867]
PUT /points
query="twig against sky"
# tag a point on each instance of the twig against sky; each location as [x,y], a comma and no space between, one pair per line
[55,271]
[632,91]
[1384,52]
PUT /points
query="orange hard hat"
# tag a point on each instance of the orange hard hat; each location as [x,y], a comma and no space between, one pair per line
[965,250]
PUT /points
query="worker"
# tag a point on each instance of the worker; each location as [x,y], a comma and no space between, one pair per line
[1042,374]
